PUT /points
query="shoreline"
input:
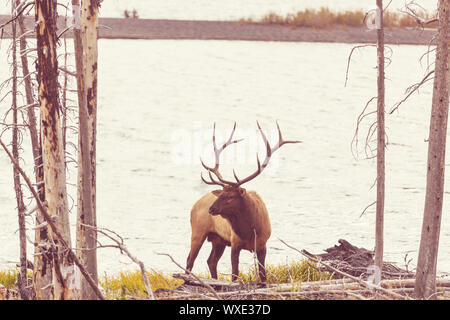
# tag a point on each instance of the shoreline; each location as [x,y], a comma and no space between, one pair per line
[160,29]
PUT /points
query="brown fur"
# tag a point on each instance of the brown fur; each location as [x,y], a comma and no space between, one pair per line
[230,217]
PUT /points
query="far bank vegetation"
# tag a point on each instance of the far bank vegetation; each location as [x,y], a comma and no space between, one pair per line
[326,18]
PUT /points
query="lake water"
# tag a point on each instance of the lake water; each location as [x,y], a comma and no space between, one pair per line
[157,103]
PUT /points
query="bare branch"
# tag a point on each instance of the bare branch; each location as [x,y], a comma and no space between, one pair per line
[119,243]
[365,209]
[211,289]
[350,58]
[17,15]
[410,90]
[55,230]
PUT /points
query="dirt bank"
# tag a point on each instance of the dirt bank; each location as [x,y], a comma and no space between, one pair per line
[112,28]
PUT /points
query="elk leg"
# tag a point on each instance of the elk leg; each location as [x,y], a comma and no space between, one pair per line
[235,262]
[216,253]
[196,244]
[261,255]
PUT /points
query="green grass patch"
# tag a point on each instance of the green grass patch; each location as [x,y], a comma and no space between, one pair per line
[8,278]
[129,284]
[293,272]
[297,271]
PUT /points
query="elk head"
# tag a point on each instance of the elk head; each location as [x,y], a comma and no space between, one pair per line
[229,201]
[232,204]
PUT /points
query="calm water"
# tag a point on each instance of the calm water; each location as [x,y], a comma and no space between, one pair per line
[157,103]
[225,10]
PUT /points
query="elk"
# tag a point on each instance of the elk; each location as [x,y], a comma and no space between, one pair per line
[232,216]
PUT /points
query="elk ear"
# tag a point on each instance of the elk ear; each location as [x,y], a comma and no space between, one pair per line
[217,193]
[241,191]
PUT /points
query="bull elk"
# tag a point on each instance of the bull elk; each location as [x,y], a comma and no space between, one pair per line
[232,216]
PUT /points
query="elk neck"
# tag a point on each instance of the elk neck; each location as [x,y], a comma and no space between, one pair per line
[243,223]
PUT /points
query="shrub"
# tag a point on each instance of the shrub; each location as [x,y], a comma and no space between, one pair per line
[8,278]
[324,17]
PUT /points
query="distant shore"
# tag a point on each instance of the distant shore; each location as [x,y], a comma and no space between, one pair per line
[152,29]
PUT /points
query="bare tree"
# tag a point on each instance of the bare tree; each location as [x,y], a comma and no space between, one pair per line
[377,126]
[85,38]
[381,144]
[52,224]
[22,279]
[425,286]
[42,271]
[52,148]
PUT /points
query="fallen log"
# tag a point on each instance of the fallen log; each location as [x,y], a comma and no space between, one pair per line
[396,283]
[326,289]
[409,283]
[218,285]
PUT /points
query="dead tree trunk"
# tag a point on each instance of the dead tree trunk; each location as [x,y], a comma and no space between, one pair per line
[380,146]
[22,280]
[52,149]
[43,264]
[86,60]
[425,285]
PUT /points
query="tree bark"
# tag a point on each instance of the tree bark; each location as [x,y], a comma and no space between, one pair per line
[22,278]
[52,224]
[89,21]
[379,224]
[425,285]
[52,149]
[86,237]
[42,272]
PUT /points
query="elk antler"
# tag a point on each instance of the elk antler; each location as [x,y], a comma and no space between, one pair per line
[222,182]
[269,152]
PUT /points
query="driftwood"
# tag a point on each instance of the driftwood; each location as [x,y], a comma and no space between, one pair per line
[194,288]
[348,283]
[357,262]
[363,283]
[218,285]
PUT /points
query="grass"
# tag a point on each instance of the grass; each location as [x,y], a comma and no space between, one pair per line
[293,272]
[129,284]
[325,18]
[8,278]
